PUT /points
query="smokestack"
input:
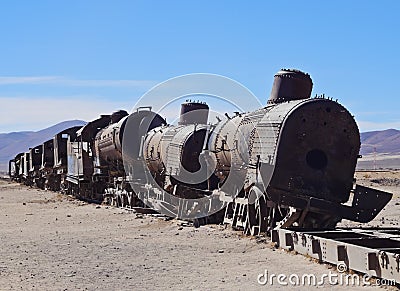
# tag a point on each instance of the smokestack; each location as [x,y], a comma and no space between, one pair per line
[290,84]
[193,113]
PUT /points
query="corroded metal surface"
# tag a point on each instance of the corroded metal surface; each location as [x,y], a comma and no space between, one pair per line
[372,251]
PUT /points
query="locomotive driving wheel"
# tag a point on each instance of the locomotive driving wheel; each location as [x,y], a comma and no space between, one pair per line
[256,221]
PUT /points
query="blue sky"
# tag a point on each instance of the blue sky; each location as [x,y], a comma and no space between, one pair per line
[77,59]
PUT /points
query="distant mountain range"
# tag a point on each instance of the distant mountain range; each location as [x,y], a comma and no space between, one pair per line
[384,141]
[16,142]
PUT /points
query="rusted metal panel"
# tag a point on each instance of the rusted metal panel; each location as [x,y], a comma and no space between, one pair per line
[189,139]
[26,165]
[12,169]
[81,151]
[47,154]
[375,252]
[108,146]
[74,167]
[18,165]
[22,165]
[152,150]
[137,126]
[318,148]
[222,142]
[35,158]
[166,138]
[60,147]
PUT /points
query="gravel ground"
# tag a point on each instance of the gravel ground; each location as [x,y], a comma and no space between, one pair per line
[53,242]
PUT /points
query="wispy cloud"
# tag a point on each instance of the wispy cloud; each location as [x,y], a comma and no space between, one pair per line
[372,126]
[63,81]
[20,114]
[373,113]
[27,80]
[108,83]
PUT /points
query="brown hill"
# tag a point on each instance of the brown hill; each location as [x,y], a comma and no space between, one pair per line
[384,141]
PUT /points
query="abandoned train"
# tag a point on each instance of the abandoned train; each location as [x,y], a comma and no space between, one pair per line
[288,164]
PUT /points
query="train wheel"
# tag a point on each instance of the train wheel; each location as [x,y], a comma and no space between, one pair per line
[256,221]
[119,201]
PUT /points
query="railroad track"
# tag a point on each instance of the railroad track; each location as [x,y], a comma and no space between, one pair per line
[371,251]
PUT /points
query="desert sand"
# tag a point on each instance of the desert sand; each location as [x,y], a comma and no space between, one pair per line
[379,161]
[53,242]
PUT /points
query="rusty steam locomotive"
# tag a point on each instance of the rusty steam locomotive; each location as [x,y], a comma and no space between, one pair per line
[288,164]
